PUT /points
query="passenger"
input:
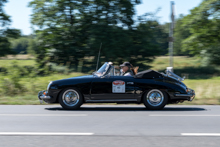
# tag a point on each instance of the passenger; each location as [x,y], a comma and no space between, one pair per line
[127,69]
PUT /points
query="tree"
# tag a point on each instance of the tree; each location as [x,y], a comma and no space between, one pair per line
[181,32]
[70,30]
[204,24]
[4,18]
[149,40]
[32,45]
[6,32]
[12,33]
[4,21]
[24,45]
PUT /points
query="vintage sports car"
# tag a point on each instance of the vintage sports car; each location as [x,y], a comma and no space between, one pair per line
[150,87]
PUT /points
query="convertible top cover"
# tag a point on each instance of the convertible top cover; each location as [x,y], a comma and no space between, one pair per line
[148,74]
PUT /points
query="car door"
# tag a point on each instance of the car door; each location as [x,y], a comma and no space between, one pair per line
[113,88]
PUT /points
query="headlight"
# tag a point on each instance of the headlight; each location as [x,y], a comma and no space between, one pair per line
[48,87]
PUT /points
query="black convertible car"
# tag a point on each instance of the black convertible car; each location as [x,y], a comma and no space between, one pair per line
[150,87]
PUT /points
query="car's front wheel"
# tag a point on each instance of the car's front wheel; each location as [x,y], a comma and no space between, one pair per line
[70,99]
[155,99]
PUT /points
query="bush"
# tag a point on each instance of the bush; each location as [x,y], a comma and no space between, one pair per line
[54,68]
[12,86]
[3,70]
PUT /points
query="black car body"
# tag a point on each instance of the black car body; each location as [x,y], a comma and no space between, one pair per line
[152,88]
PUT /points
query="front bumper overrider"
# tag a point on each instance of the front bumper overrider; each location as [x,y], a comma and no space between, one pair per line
[190,94]
[43,95]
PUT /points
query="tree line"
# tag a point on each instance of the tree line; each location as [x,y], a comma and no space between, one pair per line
[69,33]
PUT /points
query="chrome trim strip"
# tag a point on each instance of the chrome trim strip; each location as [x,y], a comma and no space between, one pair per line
[130,83]
[118,100]
[186,95]
[45,97]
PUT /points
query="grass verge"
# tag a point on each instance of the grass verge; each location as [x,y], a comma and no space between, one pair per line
[207,90]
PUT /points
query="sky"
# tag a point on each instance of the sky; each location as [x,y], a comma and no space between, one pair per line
[20,12]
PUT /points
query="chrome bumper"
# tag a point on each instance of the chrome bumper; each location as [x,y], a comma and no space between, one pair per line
[191,94]
[42,95]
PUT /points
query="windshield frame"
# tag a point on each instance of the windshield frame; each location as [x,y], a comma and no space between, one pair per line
[108,66]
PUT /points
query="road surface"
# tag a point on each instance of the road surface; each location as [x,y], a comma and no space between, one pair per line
[109,126]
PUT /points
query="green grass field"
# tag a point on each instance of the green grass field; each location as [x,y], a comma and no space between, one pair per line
[6,63]
[160,63]
[206,89]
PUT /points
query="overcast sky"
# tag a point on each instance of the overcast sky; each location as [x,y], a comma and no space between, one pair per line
[20,13]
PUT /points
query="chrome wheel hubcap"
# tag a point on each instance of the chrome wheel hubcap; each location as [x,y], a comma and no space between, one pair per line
[70,97]
[155,97]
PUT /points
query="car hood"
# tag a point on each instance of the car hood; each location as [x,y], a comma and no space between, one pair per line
[82,77]
[79,78]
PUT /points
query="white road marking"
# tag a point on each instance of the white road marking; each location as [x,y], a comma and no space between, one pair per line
[182,115]
[44,133]
[200,134]
[43,115]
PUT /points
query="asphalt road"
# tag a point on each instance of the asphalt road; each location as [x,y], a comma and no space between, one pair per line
[109,126]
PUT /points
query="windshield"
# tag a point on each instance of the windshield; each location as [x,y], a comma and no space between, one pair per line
[102,70]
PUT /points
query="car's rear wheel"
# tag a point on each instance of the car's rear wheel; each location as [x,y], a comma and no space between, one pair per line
[70,99]
[155,99]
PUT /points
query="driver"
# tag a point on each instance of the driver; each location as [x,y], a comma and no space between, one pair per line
[126,69]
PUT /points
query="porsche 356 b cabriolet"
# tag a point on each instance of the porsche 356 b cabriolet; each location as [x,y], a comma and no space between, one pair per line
[150,87]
